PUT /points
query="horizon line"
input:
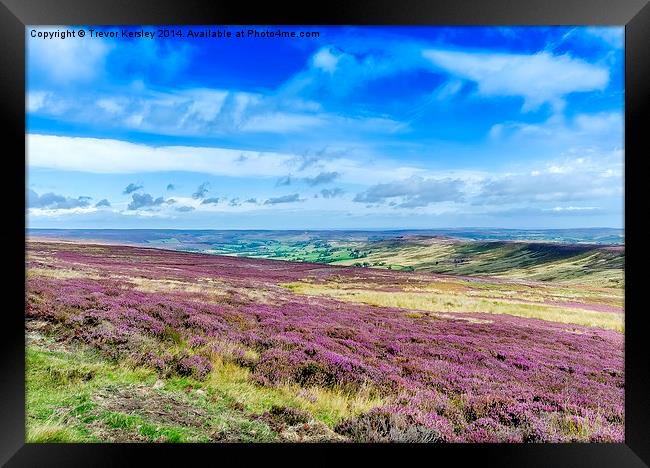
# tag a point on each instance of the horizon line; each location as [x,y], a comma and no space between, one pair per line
[325,229]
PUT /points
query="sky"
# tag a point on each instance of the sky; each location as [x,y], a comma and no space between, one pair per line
[358,128]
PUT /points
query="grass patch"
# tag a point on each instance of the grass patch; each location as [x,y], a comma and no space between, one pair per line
[327,405]
[62,406]
[51,433]
[59,389]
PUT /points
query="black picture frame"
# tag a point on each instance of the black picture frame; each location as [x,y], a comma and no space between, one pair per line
[15,14]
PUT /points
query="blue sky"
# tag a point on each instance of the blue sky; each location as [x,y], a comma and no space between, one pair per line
[362,127]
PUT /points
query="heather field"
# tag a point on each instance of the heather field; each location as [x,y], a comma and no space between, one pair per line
[139,344]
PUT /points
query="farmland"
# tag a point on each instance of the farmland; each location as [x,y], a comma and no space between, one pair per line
[459,341]
[578,256]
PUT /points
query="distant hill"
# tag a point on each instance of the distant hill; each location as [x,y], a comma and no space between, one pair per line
[547,261]
[594,256]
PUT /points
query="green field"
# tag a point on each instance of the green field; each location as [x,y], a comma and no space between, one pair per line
[541,261]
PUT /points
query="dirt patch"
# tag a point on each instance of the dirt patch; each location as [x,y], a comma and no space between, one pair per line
[295,425]
[36,335]
[105,433]
[154,406]
[311,432]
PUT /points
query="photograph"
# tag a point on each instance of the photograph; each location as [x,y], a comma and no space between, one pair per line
[325,234]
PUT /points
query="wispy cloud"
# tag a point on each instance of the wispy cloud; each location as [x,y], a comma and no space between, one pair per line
[539,78]
[601,127]
[201,191]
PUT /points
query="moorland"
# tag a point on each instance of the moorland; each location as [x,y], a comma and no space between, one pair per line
[303,338]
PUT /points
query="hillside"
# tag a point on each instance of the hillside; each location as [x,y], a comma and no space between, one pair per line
[585,263]
[569,256]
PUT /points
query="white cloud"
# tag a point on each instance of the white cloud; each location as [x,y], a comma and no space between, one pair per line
[574,208]
[108,156]
[611,35]
[57,212]
[569,179]
[281,122]
[114,156]
[65,60]
[205,104]
[588,129]
[414,192]
[538,78]
[338,72]
[112,106]
[448,89]
[201,112]
[326,59]
[35,101]
[603,122]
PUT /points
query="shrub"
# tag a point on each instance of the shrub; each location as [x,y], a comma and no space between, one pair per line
[195,366]
[383,425]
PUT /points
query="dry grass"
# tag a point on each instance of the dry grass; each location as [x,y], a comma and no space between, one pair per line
[526,291]
[63,273]
[457,303]
[50,433]
[327,405]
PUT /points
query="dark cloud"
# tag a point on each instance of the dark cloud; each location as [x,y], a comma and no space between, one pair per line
[251,200]
[103,202]
[201,191]
[144,200]
[170,201]
[132,188]
[234,202]
[53,201]
[284,199]
[171,187]
[210,201]
[185,209]
[322,178]
[414,192]
[331,193]
[283,181]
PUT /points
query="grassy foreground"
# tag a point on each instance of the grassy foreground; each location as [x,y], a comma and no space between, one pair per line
[76,395]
